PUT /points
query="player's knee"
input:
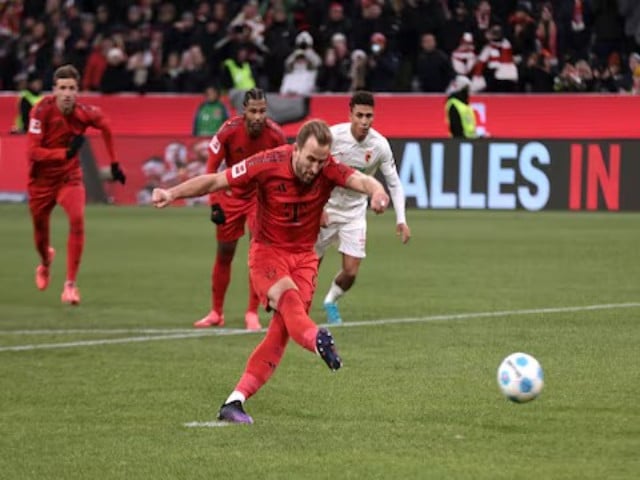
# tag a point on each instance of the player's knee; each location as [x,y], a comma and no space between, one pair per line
[226,251]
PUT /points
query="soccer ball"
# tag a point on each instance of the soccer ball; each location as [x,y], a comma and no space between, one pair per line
[520,377]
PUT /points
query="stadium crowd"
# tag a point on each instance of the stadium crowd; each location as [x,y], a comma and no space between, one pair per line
[305,46]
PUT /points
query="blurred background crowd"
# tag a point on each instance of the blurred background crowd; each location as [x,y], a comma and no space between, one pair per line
[306,46]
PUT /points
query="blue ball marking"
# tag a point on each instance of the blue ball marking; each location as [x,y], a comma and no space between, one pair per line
[540,374]
[514,399]
[504,378]
[521,361]
[526,385]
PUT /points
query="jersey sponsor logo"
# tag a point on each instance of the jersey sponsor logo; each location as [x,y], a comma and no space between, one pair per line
[239,169]
[35,126]
[214,145]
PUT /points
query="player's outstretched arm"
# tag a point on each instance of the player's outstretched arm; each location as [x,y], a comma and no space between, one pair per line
[194,187]
[373,188]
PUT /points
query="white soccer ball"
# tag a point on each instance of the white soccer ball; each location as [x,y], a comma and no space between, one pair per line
[520,377]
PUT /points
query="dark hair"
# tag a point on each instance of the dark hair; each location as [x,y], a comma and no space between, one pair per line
[362,97]
[253,94]
[66,71]
[314,128]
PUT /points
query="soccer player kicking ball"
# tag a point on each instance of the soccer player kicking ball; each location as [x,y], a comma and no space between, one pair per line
[358,145]
[56,126]
[293,184]
[238,138]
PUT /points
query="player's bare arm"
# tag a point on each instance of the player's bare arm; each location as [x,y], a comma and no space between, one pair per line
[194,187]
[368,185]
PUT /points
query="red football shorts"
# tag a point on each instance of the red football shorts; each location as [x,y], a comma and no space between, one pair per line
[268,264]
[45,194]
[237,212]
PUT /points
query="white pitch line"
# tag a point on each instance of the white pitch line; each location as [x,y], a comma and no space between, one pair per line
[75,331]
[207,424]
[388,321]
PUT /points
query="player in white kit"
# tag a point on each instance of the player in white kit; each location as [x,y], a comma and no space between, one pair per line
[358,145]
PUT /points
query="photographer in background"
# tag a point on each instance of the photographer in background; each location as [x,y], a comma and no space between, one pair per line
[301,67]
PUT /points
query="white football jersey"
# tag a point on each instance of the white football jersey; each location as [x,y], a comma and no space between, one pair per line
[373,153]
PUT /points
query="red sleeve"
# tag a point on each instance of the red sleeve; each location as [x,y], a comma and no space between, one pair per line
[216,155]
[100,121]
[337,172]
[35,135]
[216,148]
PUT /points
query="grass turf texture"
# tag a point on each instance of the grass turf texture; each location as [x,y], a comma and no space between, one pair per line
[414,400]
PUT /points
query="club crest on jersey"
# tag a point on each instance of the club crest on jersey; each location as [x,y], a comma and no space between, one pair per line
[367,156]
[35,126]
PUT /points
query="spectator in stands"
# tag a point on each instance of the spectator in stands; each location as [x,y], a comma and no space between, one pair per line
[522,31]
[547,32]
[369,21]
[482,20]
[80,44]
[609,77]
[195,71]
[334,74]
[96,64]
[279,39]
[116,78]
[630,11]
[382,65]
[433,67]
[574,28]
[574,78]
[464,57]
[211,114]
[608,37]
[43,35]
[537,73]
[358,70]
[171,78]
[331,78]
[627,80]
[250,16]
[496,63]
[335,23]
[139,64]
[104,23]
[456,26]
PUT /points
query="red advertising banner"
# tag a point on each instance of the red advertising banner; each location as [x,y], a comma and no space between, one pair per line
[397,116]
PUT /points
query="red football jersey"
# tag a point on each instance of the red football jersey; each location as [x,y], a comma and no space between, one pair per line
[50,132]
[232,143]
[289,210]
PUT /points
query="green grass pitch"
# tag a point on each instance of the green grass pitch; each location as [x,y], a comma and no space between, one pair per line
[415,399]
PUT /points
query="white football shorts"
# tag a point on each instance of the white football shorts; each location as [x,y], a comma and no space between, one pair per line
[350,238]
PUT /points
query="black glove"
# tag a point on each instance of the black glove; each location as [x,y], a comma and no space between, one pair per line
[217,214]
[117,174]
[74,146]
